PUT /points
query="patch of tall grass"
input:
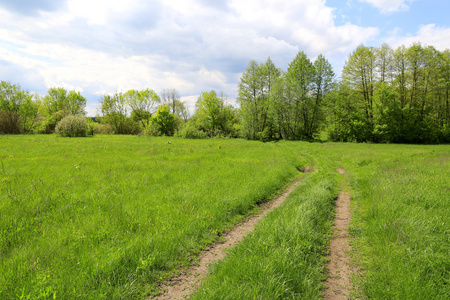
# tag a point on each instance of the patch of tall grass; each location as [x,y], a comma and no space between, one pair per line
[401,215]
[284,257]
[109,217]
[402,227]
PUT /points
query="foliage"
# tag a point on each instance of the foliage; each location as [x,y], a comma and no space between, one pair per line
[254,97]
[114,109]
[143,104]
[213,115]
[72,126]
[171,97]
[398,96]
[49,124]
[59,99]
[17,109]
[100,128]
[164,121]
[191,131]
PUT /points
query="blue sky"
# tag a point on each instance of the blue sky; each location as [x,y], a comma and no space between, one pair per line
[102,46]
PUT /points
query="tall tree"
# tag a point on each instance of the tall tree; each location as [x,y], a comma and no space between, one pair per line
[359,71]
[114,111]
[143,105]
[322,83]
[384,56]
[251,94]
[171,97]
[300,77]
[401,74]
[17,109]
[213,114]
[59,99]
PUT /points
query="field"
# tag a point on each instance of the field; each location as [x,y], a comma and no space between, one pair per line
[111,217]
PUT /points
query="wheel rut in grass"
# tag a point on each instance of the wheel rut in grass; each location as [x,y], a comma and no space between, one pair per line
[185,284]
[338,283]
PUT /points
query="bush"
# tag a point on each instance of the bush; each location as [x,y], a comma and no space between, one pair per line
[190,131]
[72,126]
[10,122]
[49,124]
[103,128]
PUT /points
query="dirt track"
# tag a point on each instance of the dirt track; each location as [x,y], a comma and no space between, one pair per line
[338,284]
[182,286]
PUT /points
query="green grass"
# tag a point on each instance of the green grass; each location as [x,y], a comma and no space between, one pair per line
[111,216]
[401,218]
[284,257]
[399,233]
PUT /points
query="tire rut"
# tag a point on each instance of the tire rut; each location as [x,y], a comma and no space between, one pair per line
[338,285]
[183,285]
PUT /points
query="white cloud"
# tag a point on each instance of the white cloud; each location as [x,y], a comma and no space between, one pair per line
[390,6]
[100,46]
[438,37]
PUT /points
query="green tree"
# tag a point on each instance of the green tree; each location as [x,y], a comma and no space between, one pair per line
[254,98]
[213,115]
[300,77]
[143,105]
[359,73]
[114,111]
[59,99]
[322,83]
[17,109]
[164,120]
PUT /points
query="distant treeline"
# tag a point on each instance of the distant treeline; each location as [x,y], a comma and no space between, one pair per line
[383,95]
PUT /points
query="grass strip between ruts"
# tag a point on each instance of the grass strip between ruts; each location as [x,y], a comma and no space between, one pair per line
[284,257]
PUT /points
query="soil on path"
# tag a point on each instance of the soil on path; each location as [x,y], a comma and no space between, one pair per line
[183,285]
[338,284]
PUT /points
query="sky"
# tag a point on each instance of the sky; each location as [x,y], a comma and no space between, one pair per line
[100,47]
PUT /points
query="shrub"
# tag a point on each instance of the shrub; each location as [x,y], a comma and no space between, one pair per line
[190,131]
[49,124]
[72,126]
[103,128]
[10,122]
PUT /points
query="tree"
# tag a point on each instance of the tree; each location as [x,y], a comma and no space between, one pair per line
[143,105]
[384,56]
[213,114]
[114,111]
[164,120]
[171,97]
[300,77]
[254,97]
[59,103]
[58,99]
[322,83]
[17,109]
[359,72]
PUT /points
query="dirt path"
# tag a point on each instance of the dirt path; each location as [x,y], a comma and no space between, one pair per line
[338,284]
[182,286]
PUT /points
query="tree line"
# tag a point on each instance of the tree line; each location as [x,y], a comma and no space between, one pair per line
[383,95]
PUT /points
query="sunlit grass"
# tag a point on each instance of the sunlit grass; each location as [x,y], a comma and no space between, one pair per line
[401,216]
[111,216]
[284,257]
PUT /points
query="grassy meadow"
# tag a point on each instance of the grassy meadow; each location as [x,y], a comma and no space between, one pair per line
[110,217]
[399,233]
